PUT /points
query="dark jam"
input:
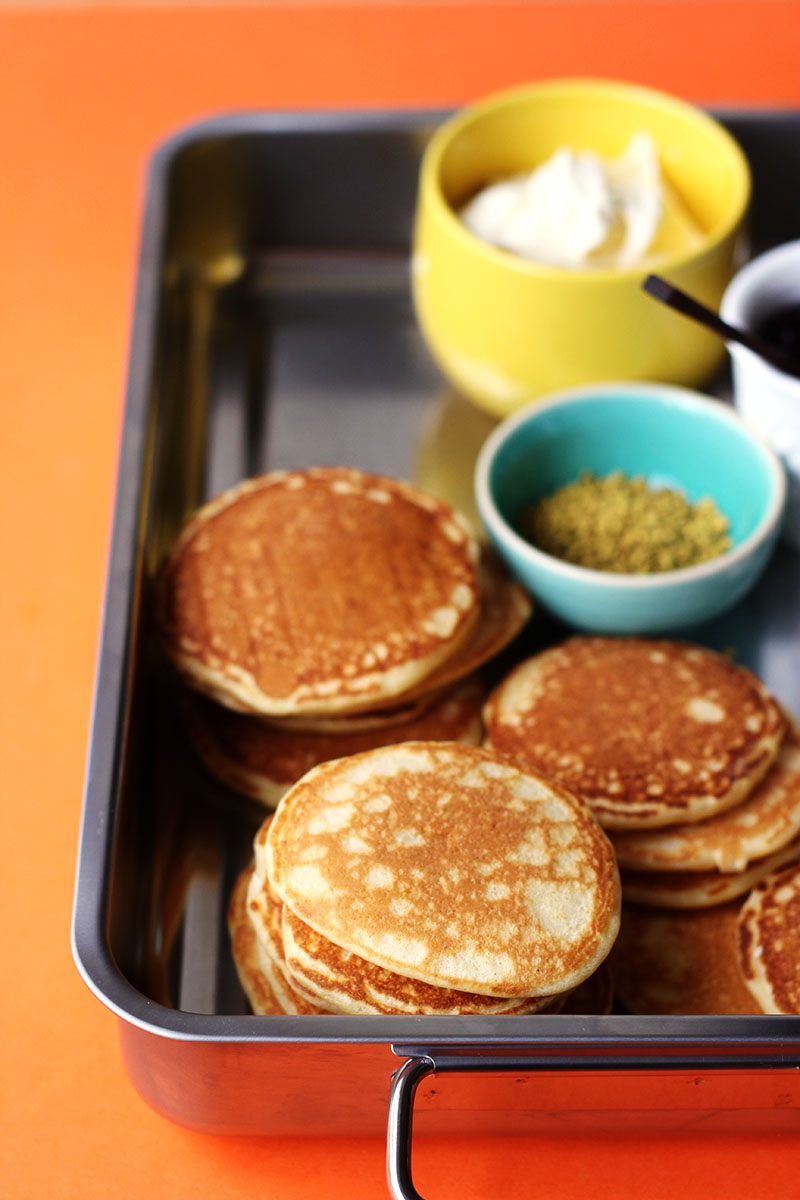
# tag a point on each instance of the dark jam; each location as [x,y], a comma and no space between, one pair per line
[781,329]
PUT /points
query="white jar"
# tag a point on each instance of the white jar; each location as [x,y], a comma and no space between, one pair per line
[767,398]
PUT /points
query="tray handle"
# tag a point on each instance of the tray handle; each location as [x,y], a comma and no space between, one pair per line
[427,1061]
[405,1082]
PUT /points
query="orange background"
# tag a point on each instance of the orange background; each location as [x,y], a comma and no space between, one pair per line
[85,93]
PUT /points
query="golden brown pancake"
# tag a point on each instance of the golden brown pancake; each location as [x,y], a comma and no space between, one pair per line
[262,760]
[701,889]
[762,823]
[323,590]
[671,963]
[350,984]
[648,732]
[449,864]
[769,941]
[255,985]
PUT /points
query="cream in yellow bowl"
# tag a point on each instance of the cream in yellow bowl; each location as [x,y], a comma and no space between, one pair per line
[505,328]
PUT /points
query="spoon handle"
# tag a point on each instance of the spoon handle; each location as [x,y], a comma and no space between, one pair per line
[689,307]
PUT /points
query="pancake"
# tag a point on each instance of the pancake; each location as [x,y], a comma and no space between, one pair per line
[350,984]
[769,941]
[255,985]
[648,732]
[667,963]
[702,889]
[320,591]
[449,864]
[262,760]
[265,912]
[764,822]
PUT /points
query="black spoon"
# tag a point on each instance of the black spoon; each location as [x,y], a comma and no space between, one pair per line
[689,307]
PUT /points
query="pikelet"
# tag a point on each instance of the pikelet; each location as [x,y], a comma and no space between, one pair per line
[668,963]
[346,983]
[449,864]
[324,590]
[769,941]
[648,732]
[262,760]
[702,889]
[764,822]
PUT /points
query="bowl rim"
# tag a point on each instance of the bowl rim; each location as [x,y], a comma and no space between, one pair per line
[686,398]
[431,191]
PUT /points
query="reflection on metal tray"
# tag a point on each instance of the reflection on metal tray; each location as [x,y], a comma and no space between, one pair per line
[273,327]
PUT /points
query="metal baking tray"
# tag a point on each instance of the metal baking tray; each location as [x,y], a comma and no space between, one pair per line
[273,327]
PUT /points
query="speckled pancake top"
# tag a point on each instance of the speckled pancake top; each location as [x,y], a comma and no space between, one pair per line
[311,590]
[448,863]
[769,941]
[648,732]
[765,821]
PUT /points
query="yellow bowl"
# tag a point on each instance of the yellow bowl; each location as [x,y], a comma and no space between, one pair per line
[505,330]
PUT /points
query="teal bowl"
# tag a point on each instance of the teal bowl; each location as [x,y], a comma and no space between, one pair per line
[673,437]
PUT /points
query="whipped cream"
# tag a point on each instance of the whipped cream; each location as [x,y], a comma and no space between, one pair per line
[576,210]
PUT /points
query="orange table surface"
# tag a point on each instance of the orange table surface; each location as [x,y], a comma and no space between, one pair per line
[85,94]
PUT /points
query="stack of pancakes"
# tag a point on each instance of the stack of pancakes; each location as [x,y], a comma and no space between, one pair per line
[425,878]
[317,612]
[693,769]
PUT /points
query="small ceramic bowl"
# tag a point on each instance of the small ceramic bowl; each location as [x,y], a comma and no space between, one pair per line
[504,329]
[769,399]
[673,437]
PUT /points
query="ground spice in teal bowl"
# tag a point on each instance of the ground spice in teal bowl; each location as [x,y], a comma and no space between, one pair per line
[621,524]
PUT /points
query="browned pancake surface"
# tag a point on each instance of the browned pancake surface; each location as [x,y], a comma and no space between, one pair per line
[312,590]
[450,864]
[769,941]
[648,732]
[762,823]
[671,963]
[505,608]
